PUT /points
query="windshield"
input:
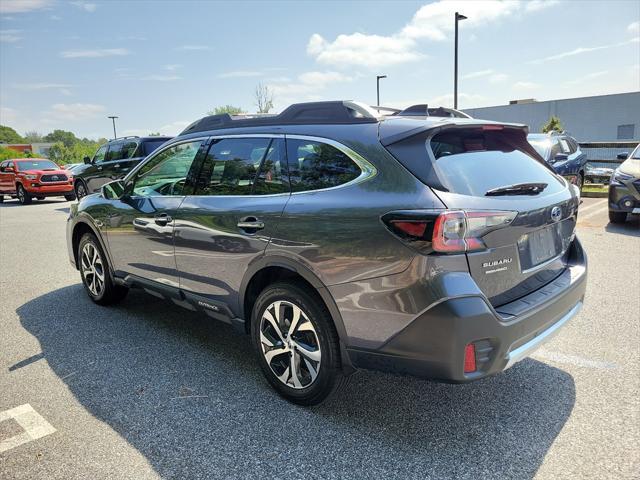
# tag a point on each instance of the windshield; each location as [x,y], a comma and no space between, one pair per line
[541,145]
[24,165]
[636,153]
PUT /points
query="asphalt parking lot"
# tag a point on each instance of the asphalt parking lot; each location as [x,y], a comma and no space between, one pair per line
[149,390]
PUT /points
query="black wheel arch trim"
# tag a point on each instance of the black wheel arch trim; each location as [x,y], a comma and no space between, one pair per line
[295,267]
[85,221]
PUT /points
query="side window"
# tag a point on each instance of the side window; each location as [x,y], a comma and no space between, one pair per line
[555,148]
[2,165]
[129,148]
[231,166]
[573,144]
[564,144]
[272,177]
[99,156]
[166,173]
[315,165]
[115,151]
[11,165]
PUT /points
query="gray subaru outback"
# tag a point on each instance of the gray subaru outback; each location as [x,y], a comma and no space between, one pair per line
[338,239]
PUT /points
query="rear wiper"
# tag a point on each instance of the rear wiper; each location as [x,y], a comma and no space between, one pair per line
[517,189]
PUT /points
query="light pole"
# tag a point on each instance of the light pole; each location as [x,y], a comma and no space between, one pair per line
[459,17]
[113,119]
[378,77]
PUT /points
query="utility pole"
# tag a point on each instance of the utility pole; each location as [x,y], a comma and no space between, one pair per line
[378,77]
[459,17]
[113,119]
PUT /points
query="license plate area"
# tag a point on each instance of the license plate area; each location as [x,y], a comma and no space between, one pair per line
[542,245]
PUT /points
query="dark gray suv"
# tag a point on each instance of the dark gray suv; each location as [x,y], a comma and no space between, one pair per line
[339,239]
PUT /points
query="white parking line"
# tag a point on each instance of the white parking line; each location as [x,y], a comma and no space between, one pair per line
[593,205]
[557,357]
[592,214]
[33,424]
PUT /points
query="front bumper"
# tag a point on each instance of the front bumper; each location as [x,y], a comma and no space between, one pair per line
[625,196]
[433,345]
[42,190]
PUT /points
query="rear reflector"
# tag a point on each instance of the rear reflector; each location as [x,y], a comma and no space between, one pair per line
[415,229]
[470,358]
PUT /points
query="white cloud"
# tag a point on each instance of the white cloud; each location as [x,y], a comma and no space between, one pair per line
[634,28]
[433,21]
[55,17]
[535,5]
[8,115]
[10,36]
[21,6]
[172,67]
[589,76]
[581,50]
[75,111]
[525,85]
[307,84]
[162,78]
[240,74]
[104,52]
[478,74]
[174,128]
[86,6]
[40,86]
[498,78]
[192,47]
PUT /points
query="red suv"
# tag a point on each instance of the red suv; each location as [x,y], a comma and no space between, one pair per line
[26,178]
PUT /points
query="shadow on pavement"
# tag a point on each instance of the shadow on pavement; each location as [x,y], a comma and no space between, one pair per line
[630,227]
[187,394]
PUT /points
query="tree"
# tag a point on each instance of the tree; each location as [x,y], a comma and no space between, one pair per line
[554,124]
[68,138]
[230,109]
[9,135]
[7,153]
[154,134]
[264,98]
[33,137]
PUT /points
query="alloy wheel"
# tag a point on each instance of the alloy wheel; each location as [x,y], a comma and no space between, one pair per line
[290,344]
[92,269]
[21,195]
[80,191]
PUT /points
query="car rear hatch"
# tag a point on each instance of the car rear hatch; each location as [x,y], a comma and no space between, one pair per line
[507,211]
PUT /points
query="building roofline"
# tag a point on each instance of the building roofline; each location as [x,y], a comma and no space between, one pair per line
[537,102]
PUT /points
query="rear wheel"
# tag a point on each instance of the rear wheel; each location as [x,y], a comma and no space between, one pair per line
[23,196]
[580,180]
[296,343]
[94,271]
[81,189]
[617,217]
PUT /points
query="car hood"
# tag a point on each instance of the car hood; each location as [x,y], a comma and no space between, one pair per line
[46,172]
[631,166]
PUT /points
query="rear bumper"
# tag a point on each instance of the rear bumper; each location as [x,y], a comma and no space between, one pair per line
[433,345]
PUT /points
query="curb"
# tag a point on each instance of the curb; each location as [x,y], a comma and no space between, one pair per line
[594,194]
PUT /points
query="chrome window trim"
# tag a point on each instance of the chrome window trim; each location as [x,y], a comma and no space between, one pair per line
[367,170]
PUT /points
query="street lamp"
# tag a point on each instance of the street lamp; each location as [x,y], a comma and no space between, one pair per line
[378,77]
[113,119]
[459,17]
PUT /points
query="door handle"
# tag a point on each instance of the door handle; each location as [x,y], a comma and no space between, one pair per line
[251,224]
[117,165]
[99,168]
[163,219]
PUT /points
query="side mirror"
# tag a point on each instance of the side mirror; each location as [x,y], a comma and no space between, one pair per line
[86,160]
[560,157]
[114,190]
[622,156]
[9,170]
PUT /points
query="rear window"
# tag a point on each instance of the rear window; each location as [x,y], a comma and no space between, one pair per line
[473,161]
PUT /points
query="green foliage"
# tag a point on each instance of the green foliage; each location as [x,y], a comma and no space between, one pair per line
[68,138]
[230,109]
[61,154]
[9,135]
[33,137]
[154,134]
[554,124]
[6,153]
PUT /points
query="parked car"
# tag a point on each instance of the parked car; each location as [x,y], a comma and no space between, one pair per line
[113,160]
[563,153]
[28,178]
[624,189]
[443,248]
[597,174]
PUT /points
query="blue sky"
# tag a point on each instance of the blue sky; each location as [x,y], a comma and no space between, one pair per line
[159,65]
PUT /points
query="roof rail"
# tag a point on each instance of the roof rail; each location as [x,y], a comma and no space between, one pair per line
[124,138]
[423,110]
[333,112]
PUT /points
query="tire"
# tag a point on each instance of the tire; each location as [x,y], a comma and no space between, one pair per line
[617,217]
[1,198]
[23,196]
[95,273]
[580,181]
[80,189]
[70,198]
[313,346]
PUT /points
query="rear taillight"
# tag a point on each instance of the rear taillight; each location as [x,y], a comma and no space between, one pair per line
[449,231]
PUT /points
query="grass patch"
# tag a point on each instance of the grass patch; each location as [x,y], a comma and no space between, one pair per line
[595,188]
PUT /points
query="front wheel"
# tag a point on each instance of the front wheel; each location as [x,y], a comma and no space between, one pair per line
[617,217]
[296,344]
[81,189]
[94,271]
[580,181]
[23,196]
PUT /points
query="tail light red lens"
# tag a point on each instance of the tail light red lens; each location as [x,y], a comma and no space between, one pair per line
[470,358]
[414,229]
[462,231]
